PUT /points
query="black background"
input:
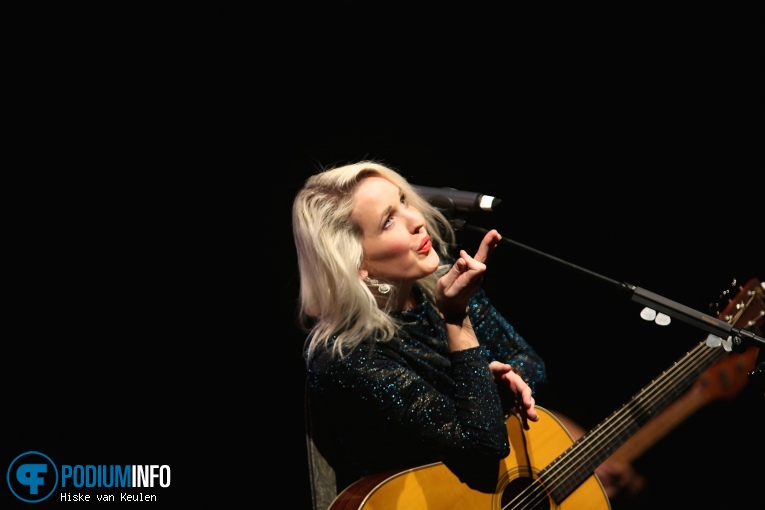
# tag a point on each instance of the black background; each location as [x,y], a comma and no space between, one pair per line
[152,160]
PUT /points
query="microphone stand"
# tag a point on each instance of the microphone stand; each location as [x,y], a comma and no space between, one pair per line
[740,338]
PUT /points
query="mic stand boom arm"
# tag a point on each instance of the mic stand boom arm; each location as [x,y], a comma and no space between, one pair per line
[740,338]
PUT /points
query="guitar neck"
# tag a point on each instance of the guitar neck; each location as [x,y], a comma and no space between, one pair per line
[732,377]
[578,462]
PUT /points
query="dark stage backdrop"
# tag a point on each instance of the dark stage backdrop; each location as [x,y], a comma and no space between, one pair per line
[154,158]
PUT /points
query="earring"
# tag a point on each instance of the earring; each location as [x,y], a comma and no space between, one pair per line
[382,288]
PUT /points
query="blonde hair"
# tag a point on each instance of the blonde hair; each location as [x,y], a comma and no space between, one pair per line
[334,301]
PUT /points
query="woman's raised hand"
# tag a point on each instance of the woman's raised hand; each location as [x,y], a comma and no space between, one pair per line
[455,288]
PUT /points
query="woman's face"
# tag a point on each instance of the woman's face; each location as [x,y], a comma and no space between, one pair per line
[396,245]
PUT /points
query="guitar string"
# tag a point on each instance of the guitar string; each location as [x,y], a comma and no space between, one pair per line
[637,412]
[663,390]
[555,477]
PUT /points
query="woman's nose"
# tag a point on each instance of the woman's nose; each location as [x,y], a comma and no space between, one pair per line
[415,220]
[417,226]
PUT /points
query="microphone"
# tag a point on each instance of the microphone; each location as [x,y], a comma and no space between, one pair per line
[451,199]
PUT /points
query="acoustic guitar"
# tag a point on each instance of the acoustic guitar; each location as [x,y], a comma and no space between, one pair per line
[536,475]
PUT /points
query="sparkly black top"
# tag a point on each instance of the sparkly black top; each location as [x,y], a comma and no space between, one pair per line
[409,401]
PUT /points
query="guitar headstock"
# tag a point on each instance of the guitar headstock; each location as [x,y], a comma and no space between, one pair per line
[716,307]
[744,309]
[732,291]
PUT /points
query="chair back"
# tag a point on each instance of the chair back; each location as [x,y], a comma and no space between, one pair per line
[321,473]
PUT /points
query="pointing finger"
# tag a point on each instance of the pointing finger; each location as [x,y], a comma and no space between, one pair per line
[489,242]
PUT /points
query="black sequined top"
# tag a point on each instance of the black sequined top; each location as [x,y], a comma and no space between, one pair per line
[409,401]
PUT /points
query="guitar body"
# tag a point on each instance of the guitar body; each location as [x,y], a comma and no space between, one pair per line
[436,487]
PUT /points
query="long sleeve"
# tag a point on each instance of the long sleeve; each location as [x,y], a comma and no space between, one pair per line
[410,401]
[504,343]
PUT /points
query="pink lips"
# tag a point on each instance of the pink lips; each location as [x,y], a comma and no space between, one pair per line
[425,246]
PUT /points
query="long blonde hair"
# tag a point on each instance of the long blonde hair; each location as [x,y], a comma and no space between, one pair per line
[334,301]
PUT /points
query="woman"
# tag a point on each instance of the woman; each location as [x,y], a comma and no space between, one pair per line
[408,361]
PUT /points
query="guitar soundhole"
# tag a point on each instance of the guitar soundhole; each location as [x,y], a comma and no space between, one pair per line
[519,494]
